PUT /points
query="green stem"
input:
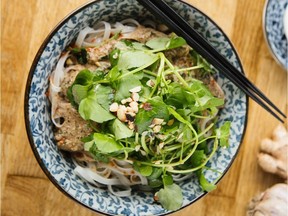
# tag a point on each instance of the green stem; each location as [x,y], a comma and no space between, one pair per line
[159,73]
[215,146]
[137,69]
[184,69]
[176,73]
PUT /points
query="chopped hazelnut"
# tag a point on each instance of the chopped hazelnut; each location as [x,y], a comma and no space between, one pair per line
[136,89]
[113,107]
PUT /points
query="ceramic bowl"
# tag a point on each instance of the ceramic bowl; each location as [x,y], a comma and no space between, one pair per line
[274,32]
[59,167]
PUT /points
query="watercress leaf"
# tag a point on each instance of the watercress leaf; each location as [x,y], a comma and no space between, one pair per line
[165,43]
[171,197]
[120,130]
[79,92]
[206,185]
[135,59]
[113,74]
[84,77]
[175,42]
[104,96]
[155,183]
[158,43]
[152,108]
[198,158]
[89,108]
[124,85]
[223,134]
[167,179]
[106,144]
[156,173]
[145,170]
[92,148]
[176,95]
[83,82]
[139,46]
[114,57]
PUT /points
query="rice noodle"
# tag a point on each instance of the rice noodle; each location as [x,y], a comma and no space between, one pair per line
[91,176]
[181,177]
[122,191]
[54,87]
[89,37]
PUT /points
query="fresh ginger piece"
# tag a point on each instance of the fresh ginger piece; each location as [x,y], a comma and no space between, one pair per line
[274,155]
[272,202]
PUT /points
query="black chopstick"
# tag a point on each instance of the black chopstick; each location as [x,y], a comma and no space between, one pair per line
[176,23]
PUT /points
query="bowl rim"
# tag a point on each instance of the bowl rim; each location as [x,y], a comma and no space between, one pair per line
[28,88]
[265,33]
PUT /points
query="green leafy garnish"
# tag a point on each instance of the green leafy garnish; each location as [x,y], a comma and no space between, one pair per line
[120,130]
[153,108]
[223,134]
[90,109]
[206,186]
[170,131]
[135,59]
[170,197]
[165,43]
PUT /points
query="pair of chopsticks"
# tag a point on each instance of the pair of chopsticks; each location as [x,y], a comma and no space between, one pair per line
[182,28]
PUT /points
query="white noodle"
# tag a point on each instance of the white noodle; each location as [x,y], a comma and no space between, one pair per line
[180,177]
[82,35]
[89,37]
[91,176]
[54,87]
[125,192]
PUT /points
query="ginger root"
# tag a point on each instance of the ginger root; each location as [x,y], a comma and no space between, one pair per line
[274,155]
[272,202]
[273,158]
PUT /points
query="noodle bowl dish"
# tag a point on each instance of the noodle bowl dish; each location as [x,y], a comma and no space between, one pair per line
[126,118]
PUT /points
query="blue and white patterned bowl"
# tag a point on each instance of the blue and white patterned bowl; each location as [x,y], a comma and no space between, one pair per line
[59,168]
[273,27]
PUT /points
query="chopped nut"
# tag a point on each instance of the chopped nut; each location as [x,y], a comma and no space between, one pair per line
[136,89]
[157,121]
[135,96]
[134,106]
[121,113]
[129,109]
[69,61]
[113,107]
[131,125]
[127,100]
[157,128]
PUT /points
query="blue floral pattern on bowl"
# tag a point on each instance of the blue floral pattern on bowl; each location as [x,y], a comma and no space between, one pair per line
[58,166]
[273,27]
